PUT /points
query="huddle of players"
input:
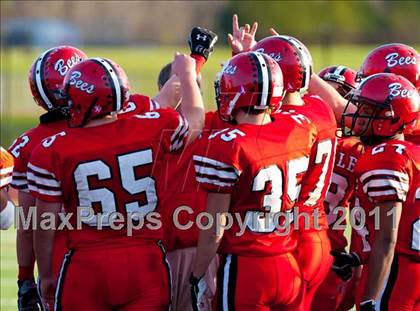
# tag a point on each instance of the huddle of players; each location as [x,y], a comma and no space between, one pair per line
[267,149]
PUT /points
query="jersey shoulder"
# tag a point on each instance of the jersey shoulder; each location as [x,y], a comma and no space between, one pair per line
[350,145]
[385,171]
[216,159]
[138,104]
[166,124]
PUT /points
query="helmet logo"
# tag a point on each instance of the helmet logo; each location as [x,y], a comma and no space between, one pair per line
[80,84]
[235,99]
[395,90]
[275,56]
[62,67]
[393,60]
[229,70]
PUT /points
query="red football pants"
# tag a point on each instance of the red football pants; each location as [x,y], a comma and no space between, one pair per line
[60,250]
[258,283]
[314,257]
[334,294]
[130,278]
[402,288]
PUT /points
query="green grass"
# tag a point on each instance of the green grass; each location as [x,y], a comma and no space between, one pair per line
[19,113]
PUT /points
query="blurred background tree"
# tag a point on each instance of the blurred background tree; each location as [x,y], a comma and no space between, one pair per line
[332,21]
[167,22]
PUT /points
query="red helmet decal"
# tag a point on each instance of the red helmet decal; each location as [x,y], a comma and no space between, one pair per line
[47,74]
[95,87]
[293,58]
[249,80]
[394,58]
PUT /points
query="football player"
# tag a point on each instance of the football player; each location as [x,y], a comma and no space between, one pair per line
[180,190]
[45,80]
[7,209]
[109,182]
[395,58]
[252,170]
[295,62]
[342,78]
[334,293]
[388,180]
[402,60]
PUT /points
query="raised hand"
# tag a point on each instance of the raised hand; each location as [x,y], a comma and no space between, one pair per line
[202,41]
[243,38]
[183,65]
[273,32]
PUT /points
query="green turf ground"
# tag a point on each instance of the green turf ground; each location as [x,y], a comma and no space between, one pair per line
[18,112]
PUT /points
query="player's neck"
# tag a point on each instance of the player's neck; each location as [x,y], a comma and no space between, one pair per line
[293,99]
[257,119]
[104,120]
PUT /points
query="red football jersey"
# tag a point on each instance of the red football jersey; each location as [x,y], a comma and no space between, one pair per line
[391,172]
[23,146]
[342,188]
[6,167]
[317,180]
[138,104]
[262,168]
[180,189]
[109,168]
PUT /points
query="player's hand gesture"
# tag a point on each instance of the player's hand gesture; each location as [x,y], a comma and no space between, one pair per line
[273,32]
[243,38]
[183,65]
[202,41]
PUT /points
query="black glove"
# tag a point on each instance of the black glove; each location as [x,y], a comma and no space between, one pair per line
[28,296]
[344,263]
[197,290]
[202,41]
[368,305]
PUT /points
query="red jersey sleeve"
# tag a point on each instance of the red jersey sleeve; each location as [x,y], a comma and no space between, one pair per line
[20,149]
[138,104]
[216,163]
[6,168]
[43,172]
[384,173]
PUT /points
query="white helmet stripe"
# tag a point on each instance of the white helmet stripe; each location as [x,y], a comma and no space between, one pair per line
[307,60]
[264,72]
[338,70]
[38,81]
[115,80]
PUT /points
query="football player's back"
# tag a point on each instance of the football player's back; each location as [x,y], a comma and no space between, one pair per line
[105,166]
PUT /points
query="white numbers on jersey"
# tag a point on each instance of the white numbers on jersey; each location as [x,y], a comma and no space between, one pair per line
[323,155]
[47,142]
[340,183]
[381,148]
[264,222]
[131,106]
[127,163]
[149,115]
[227,135]
[16,149]
[415,238]
[297,117]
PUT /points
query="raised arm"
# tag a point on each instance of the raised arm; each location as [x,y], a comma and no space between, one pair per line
[242,38]
[192,106]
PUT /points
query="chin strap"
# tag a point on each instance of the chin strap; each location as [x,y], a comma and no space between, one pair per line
[57,114]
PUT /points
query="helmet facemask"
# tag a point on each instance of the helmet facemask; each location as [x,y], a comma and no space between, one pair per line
[366,118]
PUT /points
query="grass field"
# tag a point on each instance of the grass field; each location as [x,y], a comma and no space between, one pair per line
[18,112]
